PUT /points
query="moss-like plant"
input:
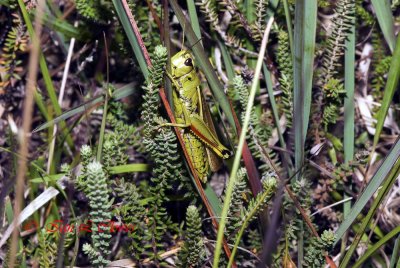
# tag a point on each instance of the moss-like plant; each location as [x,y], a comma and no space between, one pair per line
[284,59]
[315,252]
[100,215]
[259,129]
[341,25]
[256,205]
[192,252]
[15,43]
[133,213]
[236,205]
[97,11]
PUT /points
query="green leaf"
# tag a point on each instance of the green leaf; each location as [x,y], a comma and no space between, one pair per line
[129,168]
[383,191]
[230,71]
[396,251]
[236,163]
[213,199]
[304,38]
[61,26]
[369,191]
[126,24]
[391,86]
[47,178]
[194,18]
[117,95]
[271,96]
[46,75]
[349,78]
[385,19]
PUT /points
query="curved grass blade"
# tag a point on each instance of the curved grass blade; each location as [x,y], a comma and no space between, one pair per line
[252,172]
[386,21]
[373,185]
[391,179]
[194,19]
[236,163]
[391,86]
[126,21]
[371,250]
[271,96]
[118,94]
[396,251]
[33,206]
[304,38]
[46,75]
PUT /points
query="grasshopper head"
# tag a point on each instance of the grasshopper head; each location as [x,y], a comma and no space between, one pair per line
[182,63]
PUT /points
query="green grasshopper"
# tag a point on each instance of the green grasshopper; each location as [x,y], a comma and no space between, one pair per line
[193,118]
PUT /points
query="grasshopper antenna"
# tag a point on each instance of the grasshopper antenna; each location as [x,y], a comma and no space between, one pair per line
[195,43]
[183,34]
[187,51]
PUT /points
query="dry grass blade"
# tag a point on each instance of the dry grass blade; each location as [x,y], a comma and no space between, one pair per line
[26,127]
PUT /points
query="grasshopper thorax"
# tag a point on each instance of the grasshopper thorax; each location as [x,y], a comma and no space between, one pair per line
[182,63]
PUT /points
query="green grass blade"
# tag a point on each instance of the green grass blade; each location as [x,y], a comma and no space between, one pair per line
[126,24]
[270,90]
[117,95]
[349,78]
[242,138]
[124,91]
[204,64]
[391,178]
[271,8]
[214,200]
[376,246]
[396,251]
[41,105]
[46,75]
[385,19]
[373,185]
[304,38]
[288,23]
[47,178]
[391,86]
[102,129]
[194,19]
[79,109]
[275,114]
[129,168]
[61,26]
[113,171]
[230,71]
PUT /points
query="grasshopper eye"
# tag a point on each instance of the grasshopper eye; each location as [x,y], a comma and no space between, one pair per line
[226,153]
[188,62]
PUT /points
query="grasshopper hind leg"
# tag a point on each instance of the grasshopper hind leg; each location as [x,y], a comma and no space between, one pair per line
[198,156]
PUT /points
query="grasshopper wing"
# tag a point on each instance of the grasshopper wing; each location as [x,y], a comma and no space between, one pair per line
[214,160]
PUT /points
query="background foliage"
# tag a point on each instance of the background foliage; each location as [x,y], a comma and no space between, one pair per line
[317,183]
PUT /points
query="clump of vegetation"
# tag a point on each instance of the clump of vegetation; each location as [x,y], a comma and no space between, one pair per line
[216,156]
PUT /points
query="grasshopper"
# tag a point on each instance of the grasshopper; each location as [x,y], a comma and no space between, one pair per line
[193,118]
